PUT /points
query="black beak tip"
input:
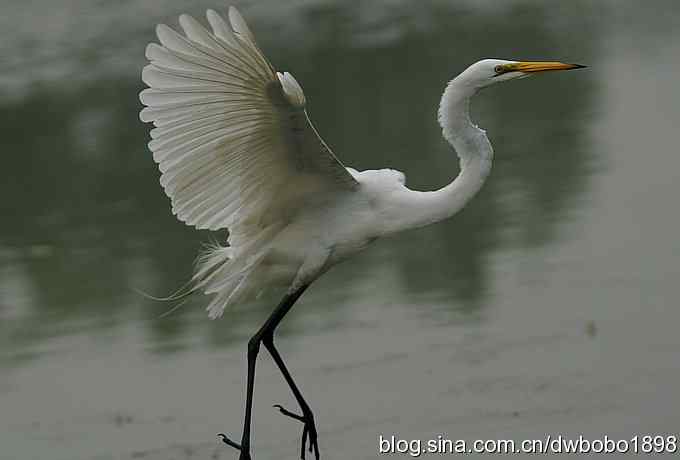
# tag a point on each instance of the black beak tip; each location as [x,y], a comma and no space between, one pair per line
[580,66]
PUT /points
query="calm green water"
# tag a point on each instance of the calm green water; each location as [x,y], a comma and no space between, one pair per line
[548,306]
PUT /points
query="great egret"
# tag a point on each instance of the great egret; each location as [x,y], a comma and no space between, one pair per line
[237,151]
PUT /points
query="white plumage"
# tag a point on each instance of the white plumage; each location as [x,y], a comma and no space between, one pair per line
[237,151]
[235,147]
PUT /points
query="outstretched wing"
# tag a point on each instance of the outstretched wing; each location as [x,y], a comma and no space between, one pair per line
[232,138]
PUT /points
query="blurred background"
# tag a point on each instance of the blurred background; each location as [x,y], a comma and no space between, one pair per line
[548,306]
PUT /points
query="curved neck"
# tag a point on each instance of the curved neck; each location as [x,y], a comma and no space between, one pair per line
[475,154]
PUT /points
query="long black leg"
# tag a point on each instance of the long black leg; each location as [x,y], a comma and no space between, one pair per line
[244,447]
[267,330]
[307,418]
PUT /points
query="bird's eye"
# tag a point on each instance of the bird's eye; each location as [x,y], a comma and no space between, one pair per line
[498,69]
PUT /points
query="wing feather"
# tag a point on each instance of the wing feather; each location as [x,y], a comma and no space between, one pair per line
[231,134]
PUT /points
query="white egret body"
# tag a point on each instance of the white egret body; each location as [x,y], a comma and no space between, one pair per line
[237,151]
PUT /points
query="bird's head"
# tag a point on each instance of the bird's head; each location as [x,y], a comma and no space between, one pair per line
[489,71]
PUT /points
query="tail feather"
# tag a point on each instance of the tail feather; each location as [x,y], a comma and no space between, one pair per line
[225,272]
[209,262]
[216,269]
[231,288]
[232,273]
[227,296]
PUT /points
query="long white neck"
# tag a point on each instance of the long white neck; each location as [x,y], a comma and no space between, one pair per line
[475,154]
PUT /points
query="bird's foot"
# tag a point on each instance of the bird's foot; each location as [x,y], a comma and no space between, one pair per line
[308,431]
[245,455]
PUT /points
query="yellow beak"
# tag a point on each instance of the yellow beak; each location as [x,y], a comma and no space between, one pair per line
[539,66]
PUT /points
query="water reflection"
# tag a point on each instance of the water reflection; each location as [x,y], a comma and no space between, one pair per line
[85,219]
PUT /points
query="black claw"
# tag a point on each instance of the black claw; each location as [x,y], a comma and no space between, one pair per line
[316,450]
[290,414]
[314,445]
[304,441]
[309,431]
[229,442]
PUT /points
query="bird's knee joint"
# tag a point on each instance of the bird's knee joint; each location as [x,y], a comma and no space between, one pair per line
[254,346]
[268,339]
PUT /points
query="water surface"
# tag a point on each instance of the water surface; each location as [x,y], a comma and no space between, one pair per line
[548,306]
